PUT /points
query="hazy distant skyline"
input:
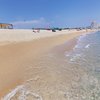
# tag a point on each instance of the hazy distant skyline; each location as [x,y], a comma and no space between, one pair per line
[49,13]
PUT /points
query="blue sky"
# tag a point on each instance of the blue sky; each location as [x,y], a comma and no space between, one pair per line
[49,13]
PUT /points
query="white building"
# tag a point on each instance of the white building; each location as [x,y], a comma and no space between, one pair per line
[94,25]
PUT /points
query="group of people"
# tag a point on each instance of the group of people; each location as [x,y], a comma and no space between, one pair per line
[36,30]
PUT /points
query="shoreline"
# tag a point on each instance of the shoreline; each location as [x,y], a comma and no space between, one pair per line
[24,58]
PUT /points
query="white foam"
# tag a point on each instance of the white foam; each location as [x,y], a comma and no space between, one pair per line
[12,93]
[76,56]
[24,92]
[77,46]
[81,37]
[87,46]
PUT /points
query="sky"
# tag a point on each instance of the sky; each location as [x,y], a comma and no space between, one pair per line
[49,13]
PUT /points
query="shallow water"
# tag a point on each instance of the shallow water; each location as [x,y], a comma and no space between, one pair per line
[86,54]
[73,77]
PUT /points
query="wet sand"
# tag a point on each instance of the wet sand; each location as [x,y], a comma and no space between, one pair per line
[16,60]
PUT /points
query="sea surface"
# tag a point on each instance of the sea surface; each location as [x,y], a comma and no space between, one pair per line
[86,54]
[86,85]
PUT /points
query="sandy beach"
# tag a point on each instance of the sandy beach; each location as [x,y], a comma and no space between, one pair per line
[26,58]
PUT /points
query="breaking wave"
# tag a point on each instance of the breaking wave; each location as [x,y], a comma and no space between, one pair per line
[22,93]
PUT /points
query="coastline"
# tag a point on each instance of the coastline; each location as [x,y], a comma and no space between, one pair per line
[23,54]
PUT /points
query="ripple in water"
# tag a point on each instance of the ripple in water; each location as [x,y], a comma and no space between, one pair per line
[22,93]
[86,54]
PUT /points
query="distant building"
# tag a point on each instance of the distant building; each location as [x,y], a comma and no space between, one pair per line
[94,25]
[6,26]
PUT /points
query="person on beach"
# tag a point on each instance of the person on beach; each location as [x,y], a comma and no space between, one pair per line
[34,30]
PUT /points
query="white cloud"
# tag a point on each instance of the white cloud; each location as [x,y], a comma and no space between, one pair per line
[31,23]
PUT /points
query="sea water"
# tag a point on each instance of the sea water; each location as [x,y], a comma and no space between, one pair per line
[86,86]
[86,54]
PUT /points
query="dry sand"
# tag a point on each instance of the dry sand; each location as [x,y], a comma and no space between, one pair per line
[27,35]
[25,50]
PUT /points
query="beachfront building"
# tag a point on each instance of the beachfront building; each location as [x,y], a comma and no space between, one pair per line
[6,26]
[94,25]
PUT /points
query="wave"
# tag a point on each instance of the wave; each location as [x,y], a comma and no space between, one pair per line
[87,46]
[81,46]
[21,93]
